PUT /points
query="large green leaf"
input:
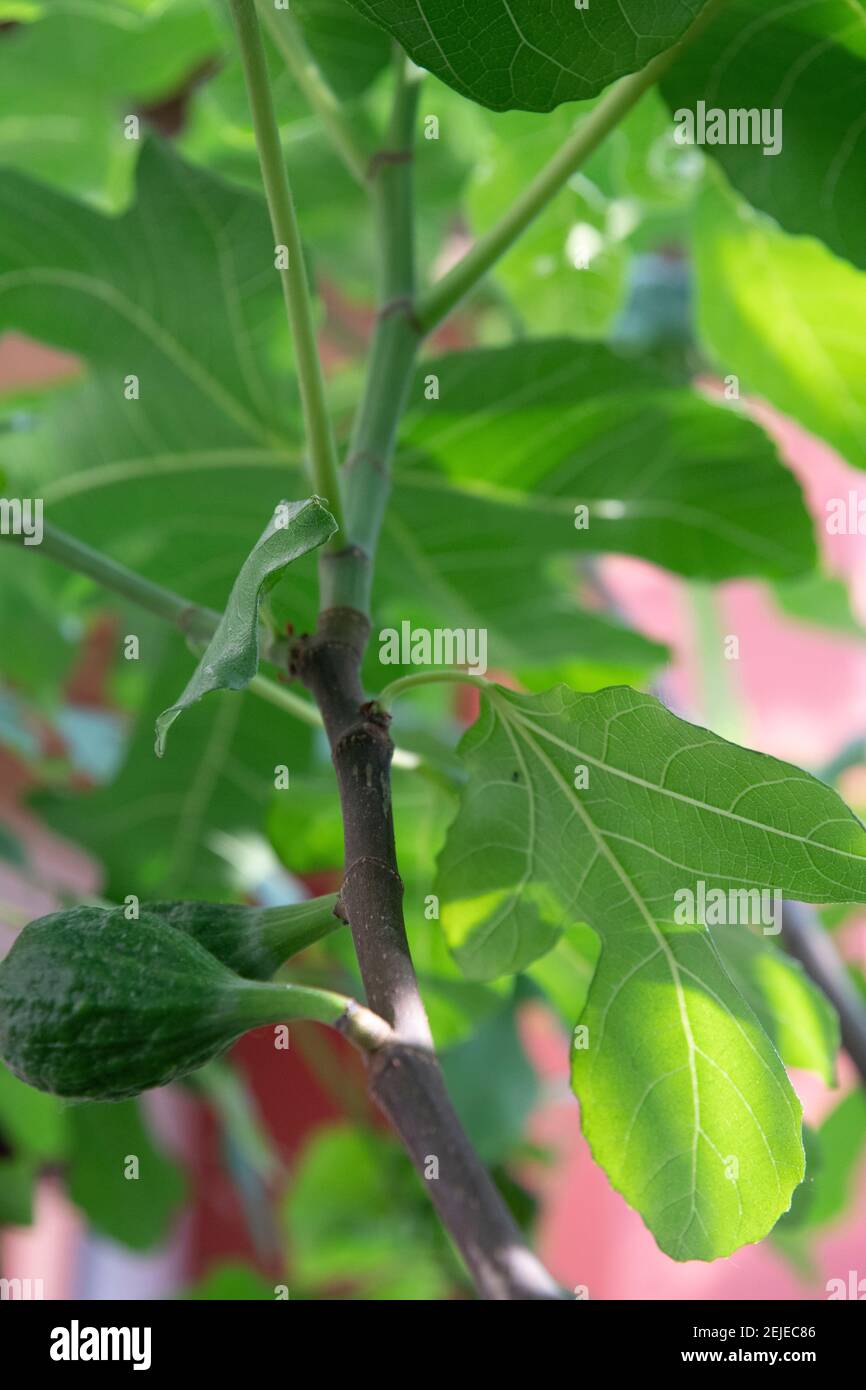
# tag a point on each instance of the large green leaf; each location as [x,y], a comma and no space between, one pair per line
[231,658]
[69,80]
[601,809]
[522,54]
[138,305]
[533,431]
[807,61]
[503,909]
[785,315]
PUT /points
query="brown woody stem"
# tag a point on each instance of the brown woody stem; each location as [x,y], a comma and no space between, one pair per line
[404,1076]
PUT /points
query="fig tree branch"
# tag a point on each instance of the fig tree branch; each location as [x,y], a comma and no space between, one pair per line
[347,577]
[320,97]
[404,1077]
[293,273]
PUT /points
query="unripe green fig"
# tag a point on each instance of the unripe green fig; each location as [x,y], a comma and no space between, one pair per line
[97,1007]
[252,941]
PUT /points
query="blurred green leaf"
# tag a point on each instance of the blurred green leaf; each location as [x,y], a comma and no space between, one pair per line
[821,600]
[358,1220]
[69,80]
[834,1154]
[156,826]
[568,269]
[565,973]
[350,51]
[135,1211]
[492,1085]
[16,1192]
[532,431]
[34,1122]
[230,1283]
[842,1141]
[770,308]
[179,358]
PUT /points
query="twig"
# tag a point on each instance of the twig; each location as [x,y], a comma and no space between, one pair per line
[293,275]
[288,38]
[806,940]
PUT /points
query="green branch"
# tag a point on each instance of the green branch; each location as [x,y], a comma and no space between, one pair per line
[320,97]
[393,353]
[277,1002]
[438,302]
[196,623]
[392,692]
[296,289]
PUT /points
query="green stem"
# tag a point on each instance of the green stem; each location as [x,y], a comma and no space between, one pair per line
[296,289]
[393,691]
[273,1003]
[292,927]
[283,698]
[446,294]
[393,354]
[288,38]
[198,624]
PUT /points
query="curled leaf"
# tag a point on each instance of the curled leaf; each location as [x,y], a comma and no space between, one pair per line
[232,655]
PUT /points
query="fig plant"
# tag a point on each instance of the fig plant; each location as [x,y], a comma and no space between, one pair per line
[451,490]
